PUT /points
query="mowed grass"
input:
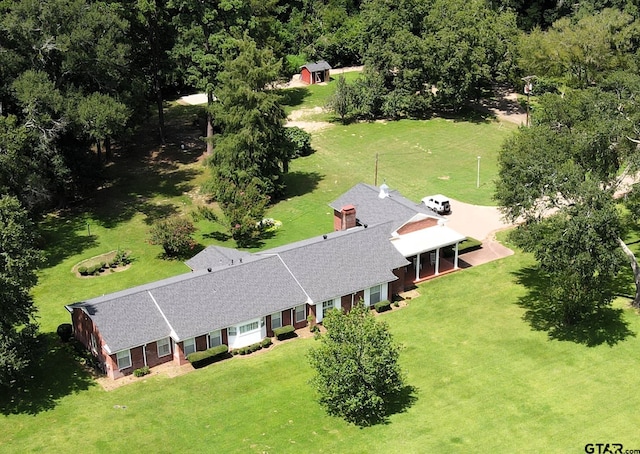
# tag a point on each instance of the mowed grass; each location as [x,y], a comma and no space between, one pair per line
[484,382]
[484,379]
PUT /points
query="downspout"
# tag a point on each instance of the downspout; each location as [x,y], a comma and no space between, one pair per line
[144,354]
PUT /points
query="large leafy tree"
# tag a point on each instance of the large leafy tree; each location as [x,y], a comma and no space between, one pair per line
[55,53]
[252,151]
[204,30]
[440,53]
[356,366]
[583,51]
[560,177]
[18,261]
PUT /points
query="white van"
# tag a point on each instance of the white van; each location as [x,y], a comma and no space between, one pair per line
[438,203]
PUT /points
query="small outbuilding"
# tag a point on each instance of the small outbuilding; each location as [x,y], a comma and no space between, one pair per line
[315,73]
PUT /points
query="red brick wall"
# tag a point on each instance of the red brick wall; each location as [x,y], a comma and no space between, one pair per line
[337,220]
[418,225]
[397,286]
[178,354]
[312,310]
[152,355]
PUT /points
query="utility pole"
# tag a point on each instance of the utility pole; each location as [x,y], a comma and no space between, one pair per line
[375,178]
[528,88]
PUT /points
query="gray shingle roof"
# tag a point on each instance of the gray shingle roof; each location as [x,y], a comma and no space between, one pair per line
[194,303]
[317,66]
[217,257]
[126,321]
[229,296]
[371,209]
[343,263]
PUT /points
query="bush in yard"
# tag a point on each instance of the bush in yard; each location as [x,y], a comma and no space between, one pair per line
[174,234]
[82,270]
[141,372]
[382,306]
[300,141]
[206,357]
[65,331]
[284,332]
[266,343]
[357,372]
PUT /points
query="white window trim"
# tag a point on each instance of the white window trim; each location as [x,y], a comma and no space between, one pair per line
[184,346]
[279,318]
[166,342]
[248,330]
[295,313]
[378,292]
[219,338]
[384,293]
[128,352]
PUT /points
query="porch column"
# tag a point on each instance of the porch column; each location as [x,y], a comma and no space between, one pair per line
[418,267]
[455,260]
[437,262]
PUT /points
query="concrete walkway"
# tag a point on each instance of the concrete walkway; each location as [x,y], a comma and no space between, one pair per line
[481,223]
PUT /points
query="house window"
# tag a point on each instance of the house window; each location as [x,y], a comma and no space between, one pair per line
[327,306]
[232,331]
[374,294]
[214,338]
[164,347]
[124,359]
[300,313]
[249,327]
[189,346]
[94,344]
[276,320]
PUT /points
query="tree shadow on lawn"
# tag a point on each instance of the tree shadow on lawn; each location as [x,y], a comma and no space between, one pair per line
[301,183]
[62,236]
[605,325]
[56,375]
[293,97]
[467,115]
[400,402]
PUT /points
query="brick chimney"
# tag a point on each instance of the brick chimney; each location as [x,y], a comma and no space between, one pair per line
[347,218]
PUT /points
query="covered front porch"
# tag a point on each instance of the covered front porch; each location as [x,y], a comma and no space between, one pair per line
[431,252]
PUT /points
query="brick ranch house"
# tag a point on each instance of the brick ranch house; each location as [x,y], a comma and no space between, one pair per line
[382,244]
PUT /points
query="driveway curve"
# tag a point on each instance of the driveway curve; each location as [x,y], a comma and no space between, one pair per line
[481,223]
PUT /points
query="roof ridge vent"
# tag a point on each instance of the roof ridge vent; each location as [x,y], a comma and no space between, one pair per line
[384,191]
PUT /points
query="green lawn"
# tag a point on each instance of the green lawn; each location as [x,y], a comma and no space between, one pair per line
[484,379]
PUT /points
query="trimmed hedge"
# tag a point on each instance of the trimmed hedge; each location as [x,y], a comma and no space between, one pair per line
[211,355]
[284,332]
[266,343]
[141,372]
[382,306]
